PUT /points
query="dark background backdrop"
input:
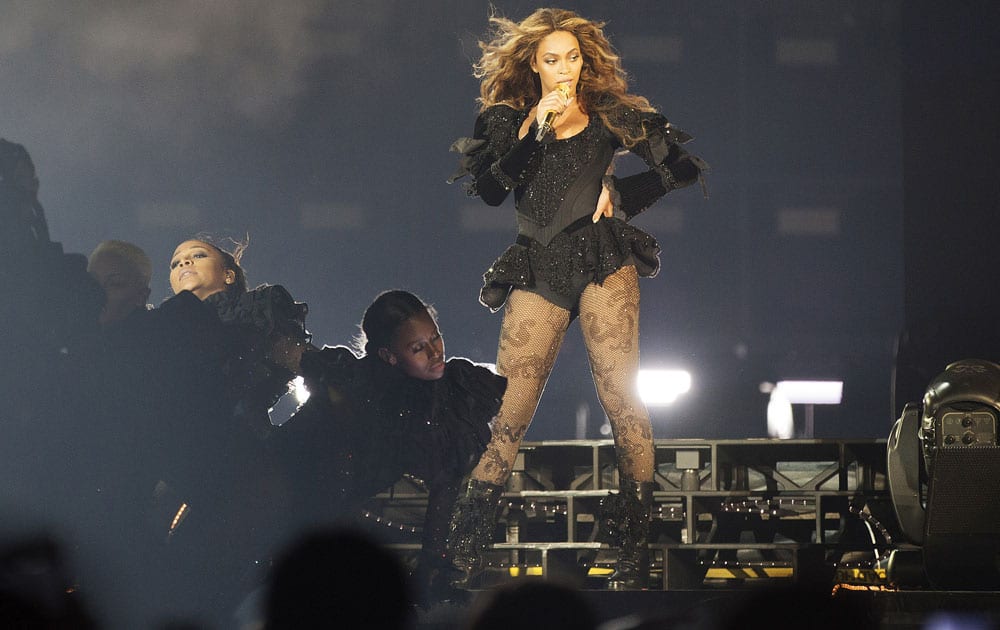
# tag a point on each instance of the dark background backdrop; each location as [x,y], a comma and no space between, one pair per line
[850,144]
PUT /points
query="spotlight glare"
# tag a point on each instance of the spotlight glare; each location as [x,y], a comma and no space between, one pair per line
[299,387]
[662,387]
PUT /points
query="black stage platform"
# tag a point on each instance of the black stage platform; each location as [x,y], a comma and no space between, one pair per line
[734,523]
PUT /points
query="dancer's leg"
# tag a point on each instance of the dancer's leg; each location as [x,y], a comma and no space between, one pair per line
[532,332]
[609,320]
[434,573]
[530,337]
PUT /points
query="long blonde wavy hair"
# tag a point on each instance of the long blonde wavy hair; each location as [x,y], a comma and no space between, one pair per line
[506,77]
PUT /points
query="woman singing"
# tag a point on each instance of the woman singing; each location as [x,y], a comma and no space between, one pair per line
[554,110]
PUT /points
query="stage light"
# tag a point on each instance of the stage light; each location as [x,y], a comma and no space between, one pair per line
[662,387]
[288,403]
[300,390]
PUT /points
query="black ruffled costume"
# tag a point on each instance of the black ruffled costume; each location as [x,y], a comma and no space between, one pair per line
[199,409]
[366,424]
[556,184]
[185,422]
[263,326]
[244,366]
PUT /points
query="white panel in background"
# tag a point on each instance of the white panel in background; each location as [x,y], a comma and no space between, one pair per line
[811,392]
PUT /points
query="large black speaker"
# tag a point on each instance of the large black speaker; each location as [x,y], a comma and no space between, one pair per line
[944,478]
[962,533]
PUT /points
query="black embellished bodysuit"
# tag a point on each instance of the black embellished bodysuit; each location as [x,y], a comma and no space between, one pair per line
[559,249]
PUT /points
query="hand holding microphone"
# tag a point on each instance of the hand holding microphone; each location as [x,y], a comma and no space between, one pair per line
[551,114]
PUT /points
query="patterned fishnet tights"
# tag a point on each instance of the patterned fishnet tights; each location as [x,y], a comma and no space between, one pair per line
[533,331]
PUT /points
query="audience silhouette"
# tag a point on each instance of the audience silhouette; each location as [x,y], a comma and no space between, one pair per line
[36,588]
[337,577]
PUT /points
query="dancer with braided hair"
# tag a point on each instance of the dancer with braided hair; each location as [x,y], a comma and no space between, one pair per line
[554,110]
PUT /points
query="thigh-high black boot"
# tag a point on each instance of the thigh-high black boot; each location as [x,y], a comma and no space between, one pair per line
[472,527]
[632,569]
[434,574]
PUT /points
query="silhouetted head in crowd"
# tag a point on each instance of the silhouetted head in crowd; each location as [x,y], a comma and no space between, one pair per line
[35,589]
[204,268]
[33,269]
[337,577]
[124,271]
[533,603]
[402,330]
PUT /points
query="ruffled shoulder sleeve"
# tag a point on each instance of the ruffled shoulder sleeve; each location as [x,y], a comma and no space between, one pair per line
[262,328]
[662,147]
[494,134]
[267,308]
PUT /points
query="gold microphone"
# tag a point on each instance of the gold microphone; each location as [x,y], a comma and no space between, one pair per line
[550,115]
